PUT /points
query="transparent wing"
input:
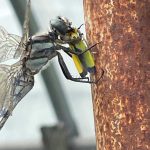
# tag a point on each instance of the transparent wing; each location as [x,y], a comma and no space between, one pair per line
[4,85]
[8,44]
[15,80]
[25,37]
[14,85]
[12,46]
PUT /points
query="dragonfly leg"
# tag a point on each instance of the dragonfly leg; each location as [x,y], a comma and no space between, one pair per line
[67,73]
[89,48]
[68,50]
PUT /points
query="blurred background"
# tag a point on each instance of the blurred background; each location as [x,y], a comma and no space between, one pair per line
[56,113]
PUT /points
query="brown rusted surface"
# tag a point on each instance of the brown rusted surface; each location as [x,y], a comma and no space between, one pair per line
[122,100]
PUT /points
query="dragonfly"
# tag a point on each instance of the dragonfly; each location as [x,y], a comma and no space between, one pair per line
[17,80]
[62,32]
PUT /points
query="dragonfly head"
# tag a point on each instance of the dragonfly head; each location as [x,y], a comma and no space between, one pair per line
[60,25]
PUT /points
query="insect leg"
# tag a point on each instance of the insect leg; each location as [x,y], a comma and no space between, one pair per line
[88,49]
[67,73]
[68,50]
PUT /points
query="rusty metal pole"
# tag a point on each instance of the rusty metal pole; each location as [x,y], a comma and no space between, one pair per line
[122,100]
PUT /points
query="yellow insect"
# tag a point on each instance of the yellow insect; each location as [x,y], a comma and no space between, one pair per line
[85,62]
[80,52]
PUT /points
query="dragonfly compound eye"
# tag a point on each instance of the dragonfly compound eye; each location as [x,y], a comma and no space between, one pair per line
[60,25]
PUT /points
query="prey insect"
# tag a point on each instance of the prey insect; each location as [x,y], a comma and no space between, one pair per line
[62,33]
[33,53]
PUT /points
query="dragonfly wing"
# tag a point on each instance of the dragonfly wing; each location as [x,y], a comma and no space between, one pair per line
[15,80]
[25,37]
[5,93]
[23,82]
[8,44]
[14,85]
[4,86]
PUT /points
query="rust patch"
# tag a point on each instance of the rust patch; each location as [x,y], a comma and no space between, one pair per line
[122,100]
